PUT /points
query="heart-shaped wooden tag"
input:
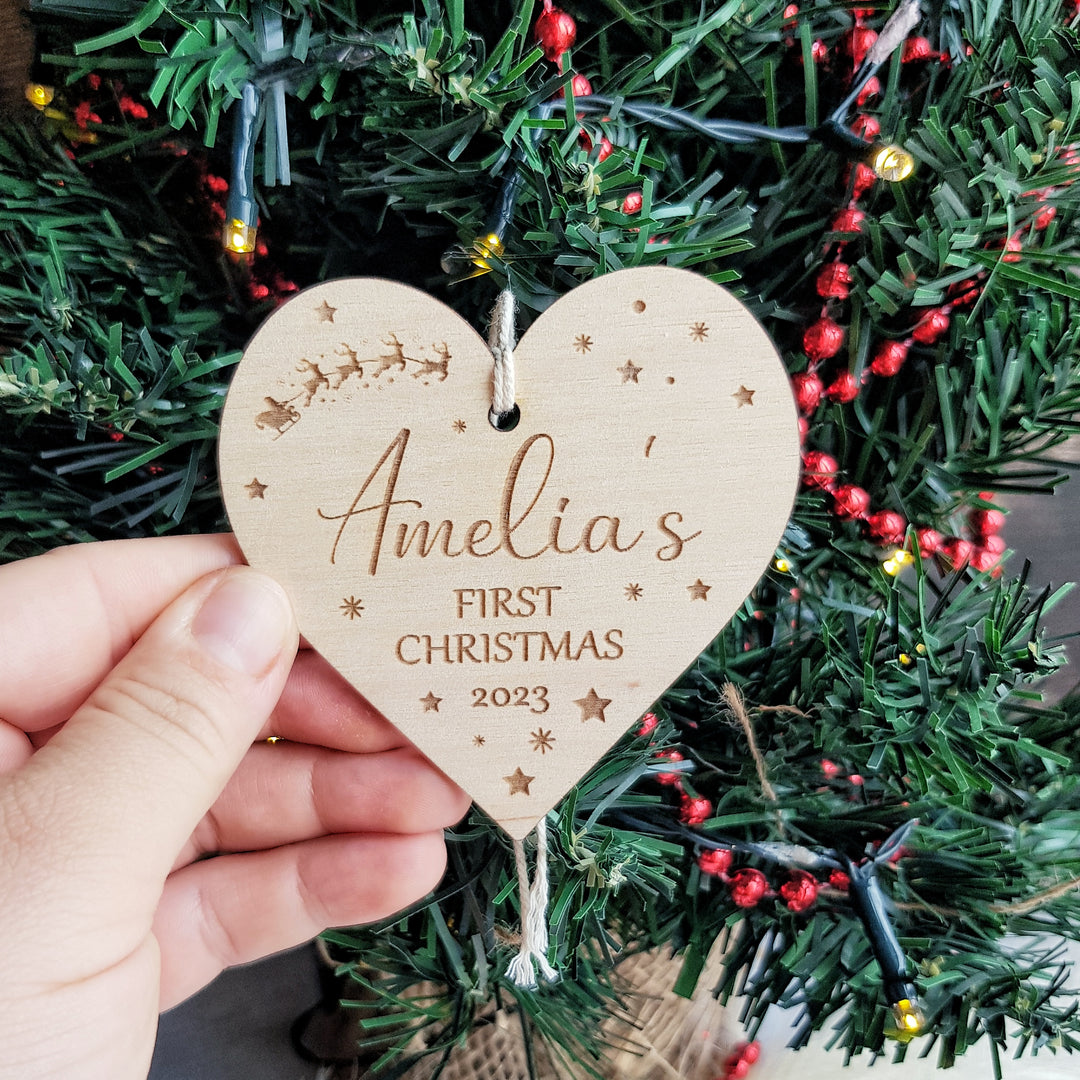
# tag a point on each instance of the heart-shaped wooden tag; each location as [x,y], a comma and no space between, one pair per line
[512,600]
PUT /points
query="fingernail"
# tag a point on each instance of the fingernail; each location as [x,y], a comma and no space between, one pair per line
[245,622]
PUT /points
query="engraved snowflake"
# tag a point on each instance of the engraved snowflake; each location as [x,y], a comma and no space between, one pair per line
[582,343]
[458,426]
[633,592]
[351,608]
[541,740]
[698,331]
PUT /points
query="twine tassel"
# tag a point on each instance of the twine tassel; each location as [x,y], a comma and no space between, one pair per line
[534,928]
[501,342]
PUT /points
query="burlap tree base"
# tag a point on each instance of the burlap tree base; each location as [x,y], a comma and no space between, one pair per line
[672,1038]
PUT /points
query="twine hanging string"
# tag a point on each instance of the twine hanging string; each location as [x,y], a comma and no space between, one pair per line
[532,949]
[501,342]
[534,929]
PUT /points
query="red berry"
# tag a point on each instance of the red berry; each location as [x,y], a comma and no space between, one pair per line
[580,86]
[748,887]
[632,203]
[869,127]
[856,779]
[791,11]
[830,768]
[872,89]
[986,522]
[931,326]
[844,388]
[839,880]
[851,502]
[994,544]
[217,184]
[751,1052]
[648,724]
[833,283]
[669,779]
[94,80]
[804,430]
[857,42]
[800,891]
[915,49]
[956,550]
[1012,247]
[808,390]
[930,541]
[819,51]
[889,358]
[259,292]
[605,149]
[739,1070]
[555,32]
[849,220]
[819,470]
[694,809]
[823,339]
[862,179]
[1043,218]
[886,527]
[983,559]
[716,862]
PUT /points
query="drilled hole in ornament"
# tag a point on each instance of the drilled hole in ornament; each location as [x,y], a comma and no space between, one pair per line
[506,421]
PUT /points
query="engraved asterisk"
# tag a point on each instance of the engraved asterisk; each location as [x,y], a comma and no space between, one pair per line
[633,592]
[458,426]
[744,396]
[541,740]
[519,782]
[698,331]
[699,591]
[478,740]
[351,608]
[256,490]
[431,702]
[629,371]
[582,343]
[325,312]
[592,706]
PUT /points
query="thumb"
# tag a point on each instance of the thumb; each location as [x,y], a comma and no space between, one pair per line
[128,778]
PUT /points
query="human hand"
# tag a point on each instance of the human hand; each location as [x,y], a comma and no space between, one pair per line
[138,682]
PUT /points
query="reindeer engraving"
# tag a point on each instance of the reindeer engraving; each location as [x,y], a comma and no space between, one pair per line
[435,368]
[350,367]
[396,359]
[315,379]
[280,416]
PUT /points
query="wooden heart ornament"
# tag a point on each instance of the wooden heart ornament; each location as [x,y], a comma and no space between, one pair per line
[512,600]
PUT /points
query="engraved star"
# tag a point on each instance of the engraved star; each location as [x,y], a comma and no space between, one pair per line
[629,371]
[431,702]
[351,608]
[458,426]
[582,343]
[592,706]
[541,740]
[325,312]
[478,740]
[519,782]
[744,396]
[698,331]
[633,592]
[698,591]
[255,489]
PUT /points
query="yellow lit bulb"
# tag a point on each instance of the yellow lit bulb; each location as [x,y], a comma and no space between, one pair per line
[39,96]
[891,567]
[902,557]
[892,163]
[920,649]
[486,247]
[909,1018]
[273,738]
[904,659]
[239,237]
[781,564]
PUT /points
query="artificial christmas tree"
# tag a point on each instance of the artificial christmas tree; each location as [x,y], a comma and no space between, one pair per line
[854,794]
